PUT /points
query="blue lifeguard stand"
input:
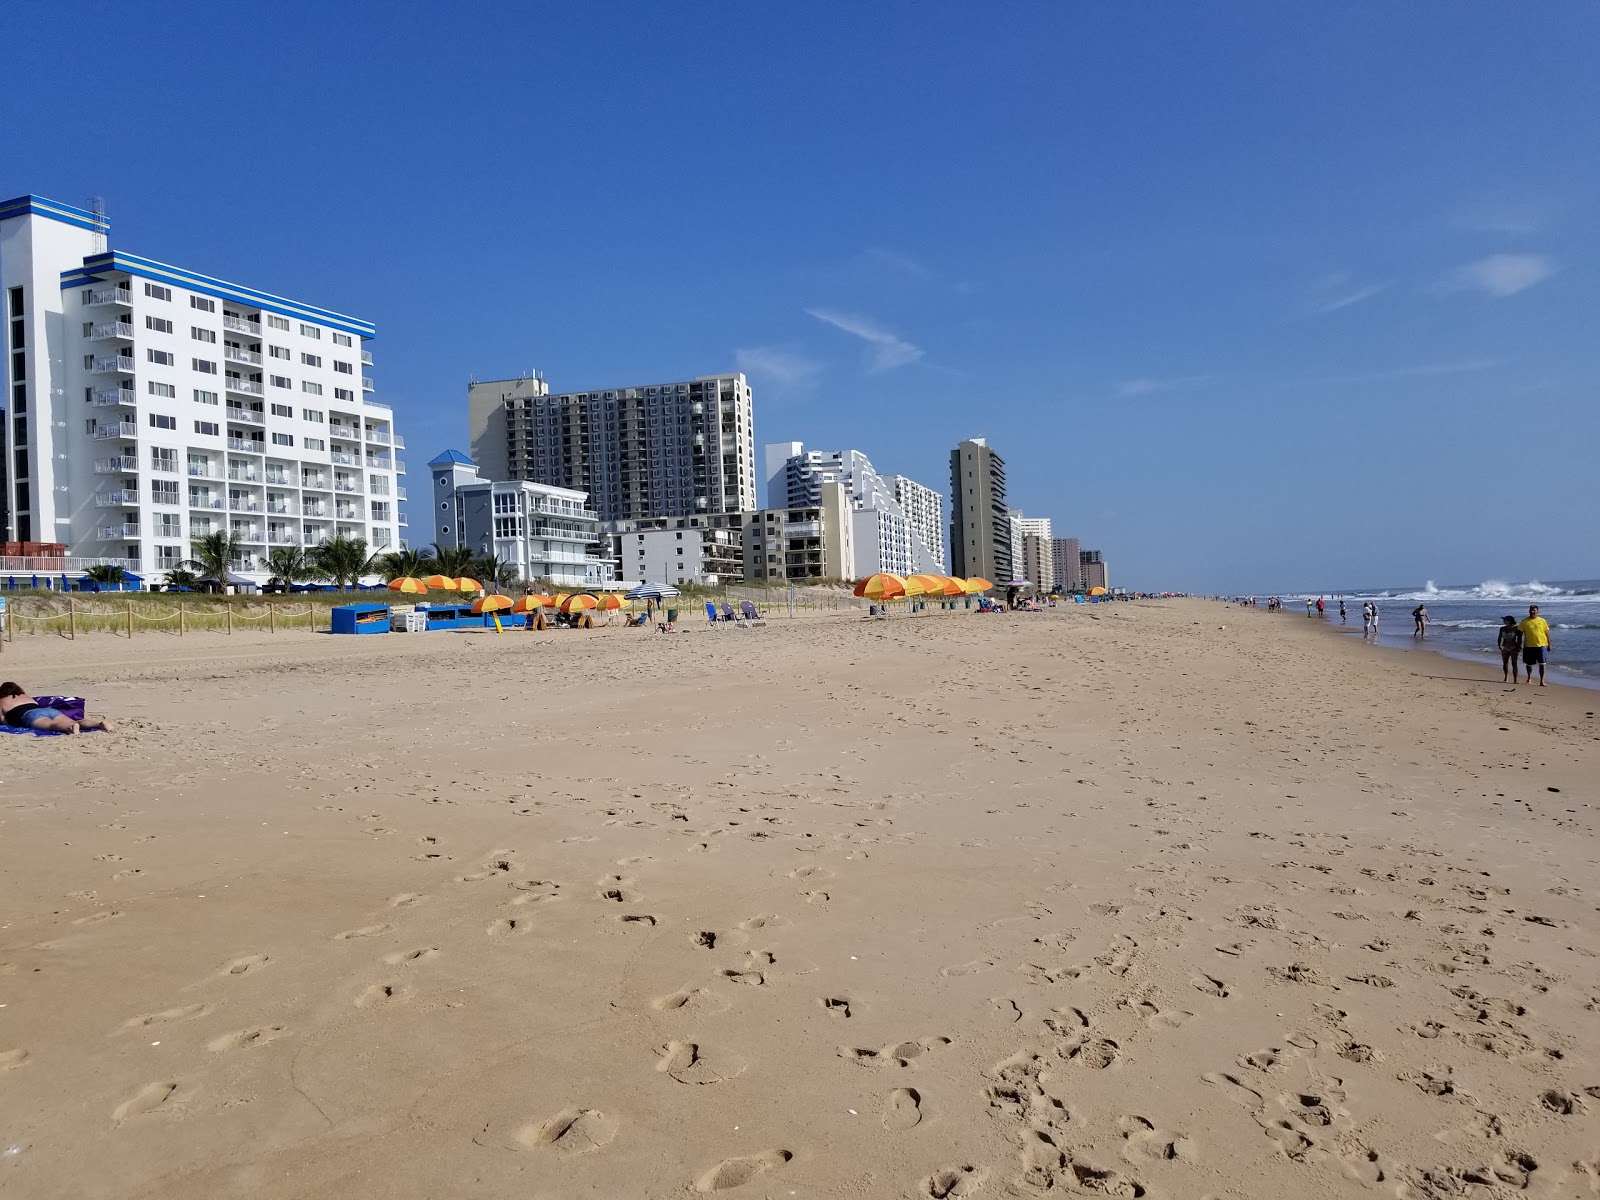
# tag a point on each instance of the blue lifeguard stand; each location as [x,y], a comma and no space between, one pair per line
[361,618]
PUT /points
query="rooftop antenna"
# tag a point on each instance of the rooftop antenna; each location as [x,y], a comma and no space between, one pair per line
[97,205]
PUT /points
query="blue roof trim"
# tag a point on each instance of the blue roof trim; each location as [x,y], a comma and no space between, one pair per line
[21,206]
[451,456]
[99,265]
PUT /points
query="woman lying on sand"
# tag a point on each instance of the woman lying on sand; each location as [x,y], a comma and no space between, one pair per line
[24,712]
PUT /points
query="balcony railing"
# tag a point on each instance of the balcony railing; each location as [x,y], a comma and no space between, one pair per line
[116,465]
[314,483]
[280,537]
[243,504]
[343,459]
[314,511]
[117,533]
[401,520]
[378,462]
[315,537]
[381,436]
[282,507]
[249,387]
[366,384]
[399,442]
[247,416]
[122,429]
[108,331]
[114,362]
[366,358]
[278,480]
[344,432]
[247,446]
[399,467]
[241,356]
[115,499]
[214,503]
[348,514]
[204,471]
[116,397]
[241,325]
[399,493]
[340,485]
[247,533]
[236,476]
[111,295]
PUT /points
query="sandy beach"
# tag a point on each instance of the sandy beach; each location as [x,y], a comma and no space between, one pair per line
[1170,900]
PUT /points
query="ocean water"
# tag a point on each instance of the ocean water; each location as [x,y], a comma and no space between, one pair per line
[1463,619]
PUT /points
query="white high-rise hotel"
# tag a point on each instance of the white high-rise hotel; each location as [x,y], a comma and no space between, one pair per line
[149,405]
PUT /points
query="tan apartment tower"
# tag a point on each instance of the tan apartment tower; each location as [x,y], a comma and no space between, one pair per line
[980,524]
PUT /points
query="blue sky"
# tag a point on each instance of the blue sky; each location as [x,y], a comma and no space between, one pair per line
[1251,296]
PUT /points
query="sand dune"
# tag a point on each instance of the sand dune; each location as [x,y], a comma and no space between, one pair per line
[1155,900]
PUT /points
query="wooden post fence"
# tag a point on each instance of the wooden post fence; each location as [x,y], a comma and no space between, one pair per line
[180,618]
[272,618]
[130,620]
[72,619]
[229,607]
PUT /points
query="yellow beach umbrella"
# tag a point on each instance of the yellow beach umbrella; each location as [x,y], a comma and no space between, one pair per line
[975,584]
[559,599]
[407,585]
[468,585]
[494,606]
[610,602]
[530,604]
[954,586]
[926,585]
[440,583]
[579,602]
[881,587]
[1097,591]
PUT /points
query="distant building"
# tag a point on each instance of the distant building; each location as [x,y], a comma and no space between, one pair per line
[807,543]
[980,525]
[924,508]
[1092,568]
[1033,546]
[706,550]
[545,532]
[884,536]
[660,450]
[1064,558]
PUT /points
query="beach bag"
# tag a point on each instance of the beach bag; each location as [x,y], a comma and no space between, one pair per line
[71,707]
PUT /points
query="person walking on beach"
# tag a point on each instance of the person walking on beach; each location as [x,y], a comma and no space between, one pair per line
[1343,620]
[1310,606]
[1419,614]
[1321,611]
[1535,642]
[1374,620]
[1510,643]
[1366,619]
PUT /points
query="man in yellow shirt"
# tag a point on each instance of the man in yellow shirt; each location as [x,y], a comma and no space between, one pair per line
[1535,642]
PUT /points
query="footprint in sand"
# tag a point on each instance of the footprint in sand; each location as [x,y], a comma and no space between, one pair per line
[1234,1089]
[736,1172]
[839,1006]
[492,871]
[10,1059]
[406,899]
[152,1097]
[953,1182]
[618,890]
[380,994]
[684,1062]
[1210,986]
[977,966]
[903,1110]
[811,873]
[572,1131]
[760,922]
[405,957]
[748,978]
[95,918]
[691,1000]
[244,964]
[507,925]
[365,931]
[246,1037]
[1143,1142]
[902,1054]
[187,1012]
[637,920]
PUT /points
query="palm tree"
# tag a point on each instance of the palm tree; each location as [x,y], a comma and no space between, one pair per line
[289,565]
[181,579]
[106,576]
[343,560]
[453,561]
[214,555]
[399,563]
[494,572]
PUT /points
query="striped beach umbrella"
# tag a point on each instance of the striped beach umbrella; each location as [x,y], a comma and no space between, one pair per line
[881,587]
[440,583]
[407,586]
[653,591]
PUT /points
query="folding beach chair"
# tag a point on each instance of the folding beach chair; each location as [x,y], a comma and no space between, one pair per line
[751,616]
[711,613]
[728,615]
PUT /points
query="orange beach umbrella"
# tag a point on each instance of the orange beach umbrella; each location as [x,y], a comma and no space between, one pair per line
[579,602]
[881,587]
[530,604]
[494,606]
[440,583]
[407,585]
[926,585]
[468,585]
[610,602]
[954,586]
[975,584]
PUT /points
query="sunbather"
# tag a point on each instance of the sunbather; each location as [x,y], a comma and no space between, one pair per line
[22,711]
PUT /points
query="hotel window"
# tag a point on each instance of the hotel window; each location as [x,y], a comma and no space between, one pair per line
[343,394]
[159,324]
[165,357]
[311,360]
[278,323]
[343,368]
[280,381]
[161,421]
[162,459]
[206,428]
[168,557]
[504,527]
[310,331]
[204,366]
[164,390]
[311,389]
[314,443]
[279,352]
[311,414]
[204,397]
[341,339]
[283,439]
[156,292]
[380,510]
[203,304]
[202,335]
[169,525]
[505,502]
[283,410]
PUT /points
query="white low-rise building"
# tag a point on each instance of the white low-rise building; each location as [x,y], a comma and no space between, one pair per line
[544,532]
[148,405]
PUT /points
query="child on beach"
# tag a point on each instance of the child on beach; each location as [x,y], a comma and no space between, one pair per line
[1510,643]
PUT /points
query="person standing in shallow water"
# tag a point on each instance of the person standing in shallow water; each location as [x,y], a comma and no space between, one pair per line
[1535,643]
[1510,643]
[1343,620]
[1419,614]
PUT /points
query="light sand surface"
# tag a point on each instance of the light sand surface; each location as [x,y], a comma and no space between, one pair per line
[1167,900]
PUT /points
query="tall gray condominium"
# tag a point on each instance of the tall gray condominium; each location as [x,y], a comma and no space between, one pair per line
[662,450]
[980,523]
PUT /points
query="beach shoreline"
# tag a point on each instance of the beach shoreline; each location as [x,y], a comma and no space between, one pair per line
[1142,896]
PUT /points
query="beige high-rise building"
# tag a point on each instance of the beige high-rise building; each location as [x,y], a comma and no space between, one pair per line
[1093,569]
[1064,555]
[1032,545]
[808,543]
[980,525]
[660,450]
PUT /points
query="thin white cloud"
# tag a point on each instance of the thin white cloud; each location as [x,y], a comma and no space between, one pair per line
[1501,275]
[1344,295]
[1418,371]
[885,350]
[901,262]
[776,365]
[1130,388]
